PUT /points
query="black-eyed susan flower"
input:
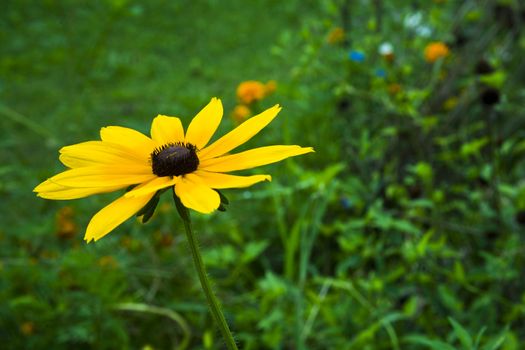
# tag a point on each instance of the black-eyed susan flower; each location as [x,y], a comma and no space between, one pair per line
[170,158]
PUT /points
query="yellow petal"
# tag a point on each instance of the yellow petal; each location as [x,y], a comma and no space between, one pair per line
[129,138]
[113,215]
[166,129]
[218,180]
[252,158]
[203,126]
[196,196]
[240,134]
[57,192]
[152,186]
[98,176]
[98,153]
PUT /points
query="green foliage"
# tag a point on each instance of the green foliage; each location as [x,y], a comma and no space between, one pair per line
[405,230]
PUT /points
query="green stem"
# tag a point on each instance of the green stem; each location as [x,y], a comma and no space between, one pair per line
[213,302]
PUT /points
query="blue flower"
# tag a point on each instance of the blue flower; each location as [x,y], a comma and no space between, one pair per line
[356,56]
[345,202]
[381,73]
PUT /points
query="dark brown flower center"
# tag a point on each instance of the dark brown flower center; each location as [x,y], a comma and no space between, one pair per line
[174,159]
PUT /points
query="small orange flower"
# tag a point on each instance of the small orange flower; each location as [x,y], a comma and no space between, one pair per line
[271,86]
[27,328]
[241,113]
[107,261]
[251,91]
[335,36]
[394,88]
[389,57]
[436,50]
[163,239]
[66,227]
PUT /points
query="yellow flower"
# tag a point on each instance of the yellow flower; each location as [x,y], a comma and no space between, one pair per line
[251,91]
[335,36]
[171,158]
[435,51]
[450,103]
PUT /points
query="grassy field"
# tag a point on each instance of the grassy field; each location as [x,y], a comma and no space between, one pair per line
[404,230]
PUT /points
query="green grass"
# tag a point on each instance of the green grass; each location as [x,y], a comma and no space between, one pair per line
[403,231]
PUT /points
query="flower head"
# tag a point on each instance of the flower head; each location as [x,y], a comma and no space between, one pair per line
[356,56]
[394,88]
[240,113]
[450,103]
[386,50]
[170,158]
[251,91]
[335,36]
[380,73]
[270,87]
[66,227]
[435,51]
[27,328]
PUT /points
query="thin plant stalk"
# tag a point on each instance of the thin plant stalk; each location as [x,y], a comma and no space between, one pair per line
[213,302]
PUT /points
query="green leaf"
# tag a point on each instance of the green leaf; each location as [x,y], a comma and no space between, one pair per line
[411,306]
[462,334]
[253,249]
[429,343]
[424,171]
[495,80]
[449,299]
[224,199]
[497,341]
[478,337]
[147,211]
[473,147]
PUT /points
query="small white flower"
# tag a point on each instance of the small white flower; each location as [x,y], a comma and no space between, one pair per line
[386,49]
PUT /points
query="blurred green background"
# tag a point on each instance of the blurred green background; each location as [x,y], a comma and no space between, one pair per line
[405,230]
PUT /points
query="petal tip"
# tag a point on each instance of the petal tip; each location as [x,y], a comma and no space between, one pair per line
[40,188]
[218,102]
[90,236]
